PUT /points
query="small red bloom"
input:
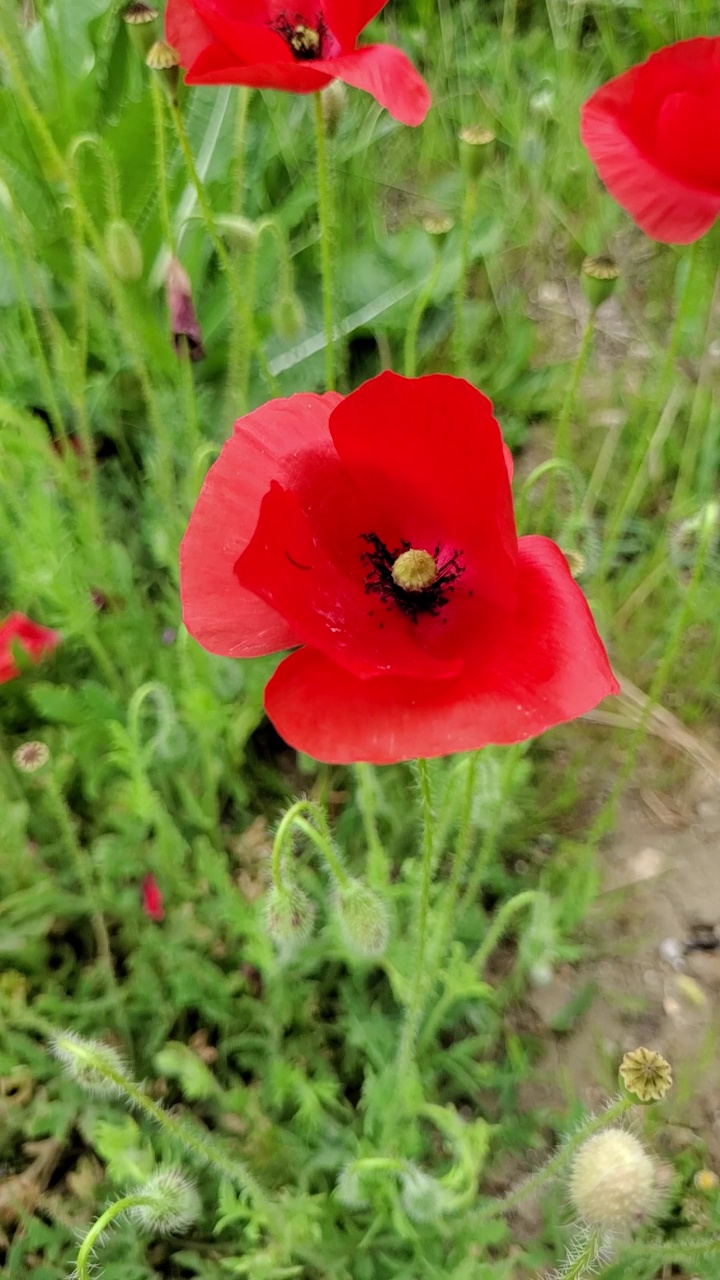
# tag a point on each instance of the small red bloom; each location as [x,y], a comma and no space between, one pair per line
[30,636]
[376,532]
[296,45]
[152,899]
[652,134]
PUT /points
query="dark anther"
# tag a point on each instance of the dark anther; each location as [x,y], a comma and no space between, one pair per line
[305,42]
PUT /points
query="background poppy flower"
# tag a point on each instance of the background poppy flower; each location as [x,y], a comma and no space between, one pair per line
[30,636]
[377,532]
[152,899]
[652,134]
[297,45]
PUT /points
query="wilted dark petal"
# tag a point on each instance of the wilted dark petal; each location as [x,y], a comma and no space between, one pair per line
[186,336]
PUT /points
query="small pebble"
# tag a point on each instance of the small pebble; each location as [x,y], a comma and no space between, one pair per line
[671,950]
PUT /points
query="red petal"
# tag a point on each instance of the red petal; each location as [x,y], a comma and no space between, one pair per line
[250,42]
[387,74]
[223,617]
[430,451]
[289,568]
[216,66]
[368,9]
[525,673]
[35,640]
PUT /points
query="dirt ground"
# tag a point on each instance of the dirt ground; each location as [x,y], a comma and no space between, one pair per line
[654,958]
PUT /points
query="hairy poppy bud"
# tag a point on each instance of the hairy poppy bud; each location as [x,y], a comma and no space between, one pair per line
[476,147]
[241,232]
[333,100]
[94,1065]
[422,1197]
[289,916]
[363,918]
[613,1182]
[598,277]
[349,1189]
[288,316]
[166,1203]
[123,250]
[186,335]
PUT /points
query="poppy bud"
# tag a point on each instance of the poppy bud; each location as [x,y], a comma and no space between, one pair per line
[152,899]
[422,1197]
[333,100]
[165,60]
[141,22]
[598,277]
[98,1067]
[349,1190]
[241,232]
[289,916]
[613,1182]
[123,250]
[288,316]
[186,335]
[475,148]
[169,1203]
[363,919]
[439,226]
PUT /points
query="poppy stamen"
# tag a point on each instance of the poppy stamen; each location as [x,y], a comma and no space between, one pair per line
[409,577]
[305,42]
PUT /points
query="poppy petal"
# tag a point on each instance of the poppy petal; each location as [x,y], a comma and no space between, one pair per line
[216,65]
[185,31]
[387,74]
[250,42]
[538,668]
[331,611]
[34,639]
[223,616]
[663,207]
[430,451]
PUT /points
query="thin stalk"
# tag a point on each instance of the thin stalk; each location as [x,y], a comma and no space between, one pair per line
[378,864]
[241,115]
[562,431]
[463,845]
[100,1225]
[583,1262]
[413,1012]
[696,420]
[322,839]
[325,214]
[681,1249]
[416,315]
[511,758]
[505,1204]
[466,221]
[499,927]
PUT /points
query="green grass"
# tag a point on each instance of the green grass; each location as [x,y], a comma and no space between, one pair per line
[160,756]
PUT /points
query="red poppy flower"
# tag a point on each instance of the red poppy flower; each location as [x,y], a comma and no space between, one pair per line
[35,640]
[152,899]
[652,135]
[296,45]
[377,532]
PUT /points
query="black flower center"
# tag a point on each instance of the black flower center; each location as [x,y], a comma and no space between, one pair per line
[305,42]
[413,580]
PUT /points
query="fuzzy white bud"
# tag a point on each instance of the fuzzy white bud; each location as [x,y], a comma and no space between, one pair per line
[349,1189]
[363,919]
[289,916]
[613,1182]
[421,1196]
[94,1065]
[167,1203]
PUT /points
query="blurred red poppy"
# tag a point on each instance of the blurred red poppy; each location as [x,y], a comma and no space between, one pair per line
[296,45]
[35,640]
[377,532]
[152,899]
[652,134]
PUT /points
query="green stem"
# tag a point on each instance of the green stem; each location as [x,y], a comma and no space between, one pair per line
[241,115]
[322,840]
[683,1248]
[101,1224]
[562,1157]
[463,845]
[413,1012]
[466,221]
[326,240]
[697,420]
[562,431]
[416,315]
[583,1264]
[499,927]
[510,761]
[378,864]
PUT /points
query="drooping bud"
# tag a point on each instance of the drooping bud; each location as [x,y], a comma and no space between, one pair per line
[363,918]
[30,756]
[613,1182]
[241,232]
[289,916]
[123,250]
[422,1197]
[96,1066]
[349,1189]
[333,100]
[186,335]
[646,1074]
[598,277]
[141,20]
[166,62]
[288,316]
[476,147]
[170,1203]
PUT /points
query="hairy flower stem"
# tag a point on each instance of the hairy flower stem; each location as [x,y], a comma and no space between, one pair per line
[101,1224]
[413,1012]
[562,431]
[448,902]
[325,215]
[416,315]
[242,319]
[584,1258]
[322,839]
[481,863]
[499,927]
[684,1248]
[467,216]
[86,879]
[505,1204]
[378,865]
